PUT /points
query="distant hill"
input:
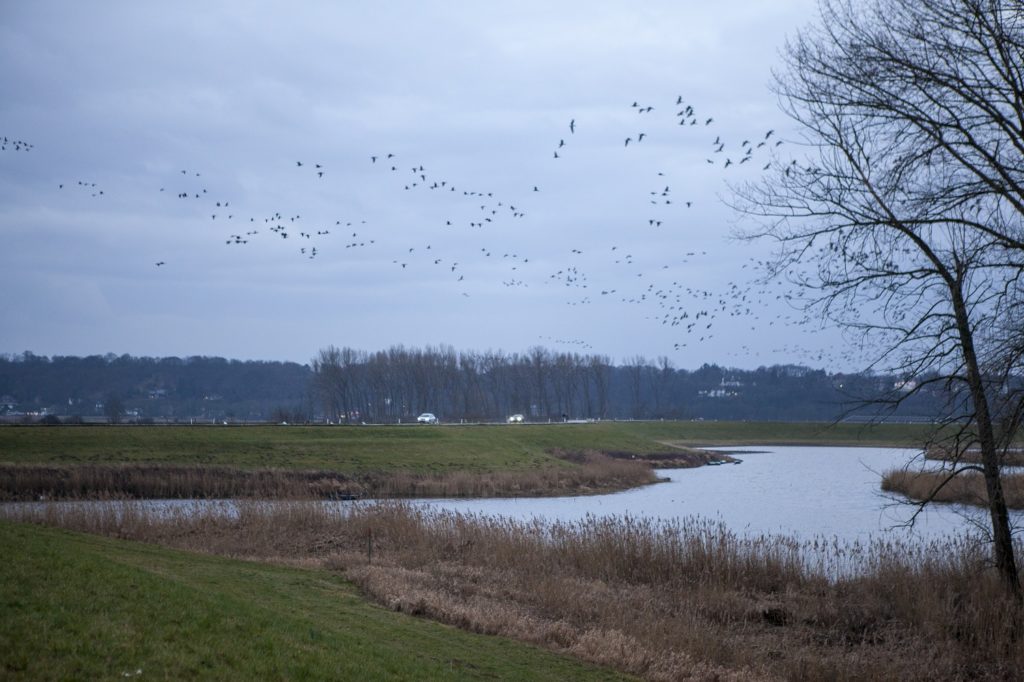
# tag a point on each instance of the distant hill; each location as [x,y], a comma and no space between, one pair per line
[166,388]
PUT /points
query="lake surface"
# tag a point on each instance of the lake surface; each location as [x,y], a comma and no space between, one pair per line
[799,491]
[805,492]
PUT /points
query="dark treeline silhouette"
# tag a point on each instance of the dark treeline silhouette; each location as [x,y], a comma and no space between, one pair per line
[398,383]
[143,387]
[344,385]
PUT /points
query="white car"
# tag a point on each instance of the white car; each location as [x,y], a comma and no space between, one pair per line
[426,418]
[515,419]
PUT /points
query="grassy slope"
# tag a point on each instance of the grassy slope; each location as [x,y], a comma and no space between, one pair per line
[413,448]
[83,607]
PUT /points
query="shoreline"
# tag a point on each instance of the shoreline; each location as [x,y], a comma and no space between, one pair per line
[588,473]
[570,473]
[966,488]
[613,592]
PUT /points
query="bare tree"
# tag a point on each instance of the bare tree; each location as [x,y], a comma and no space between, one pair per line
[904,221]
[333,380]
[636,367]
[600,368]
[540,366]
[496,369]
[661,379]
[113,408]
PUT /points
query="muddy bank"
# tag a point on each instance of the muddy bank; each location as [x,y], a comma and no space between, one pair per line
[677,460]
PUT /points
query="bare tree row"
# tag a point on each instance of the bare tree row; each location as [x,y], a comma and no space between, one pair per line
[387,386]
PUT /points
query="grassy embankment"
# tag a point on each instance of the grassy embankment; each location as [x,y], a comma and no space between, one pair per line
[665,601]
[389,461]
[85,607]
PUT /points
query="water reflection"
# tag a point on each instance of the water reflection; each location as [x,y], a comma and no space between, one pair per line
[799,491]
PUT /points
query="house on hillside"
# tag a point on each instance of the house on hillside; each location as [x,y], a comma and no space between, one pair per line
[727,388]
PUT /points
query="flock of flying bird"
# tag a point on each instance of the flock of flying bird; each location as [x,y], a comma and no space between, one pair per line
[670,302]
[14,145]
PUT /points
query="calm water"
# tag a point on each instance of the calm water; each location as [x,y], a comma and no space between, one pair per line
[801,491]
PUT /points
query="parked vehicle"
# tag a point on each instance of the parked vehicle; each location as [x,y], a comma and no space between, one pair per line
[426,418]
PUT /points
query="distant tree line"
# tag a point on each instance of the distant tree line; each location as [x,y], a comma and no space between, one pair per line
[398,383]
[345,385]
[128,388]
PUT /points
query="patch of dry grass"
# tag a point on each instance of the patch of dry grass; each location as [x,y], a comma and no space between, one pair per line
[1010,457]
[966,488]
[663,600]
[590,472]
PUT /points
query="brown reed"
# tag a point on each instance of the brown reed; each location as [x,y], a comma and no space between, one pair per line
[589,473]
[664,600]
[965,488]
[1009,457]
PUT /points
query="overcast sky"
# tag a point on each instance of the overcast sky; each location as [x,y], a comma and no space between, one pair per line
[492,242]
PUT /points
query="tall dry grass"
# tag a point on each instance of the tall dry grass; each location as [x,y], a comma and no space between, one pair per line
[590,472]
[966,488]
[664,600]
[1010,457]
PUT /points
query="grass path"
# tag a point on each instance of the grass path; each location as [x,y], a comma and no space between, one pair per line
[74,606]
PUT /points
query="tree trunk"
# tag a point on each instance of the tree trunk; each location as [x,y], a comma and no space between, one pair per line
[1002,540]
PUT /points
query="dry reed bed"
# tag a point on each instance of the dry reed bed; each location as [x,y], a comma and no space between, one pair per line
[1013,457]
[589,473]
[966,488]
[683,457]
[663,600]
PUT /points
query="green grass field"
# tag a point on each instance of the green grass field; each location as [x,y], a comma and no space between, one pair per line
[76,606]
[412,448]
